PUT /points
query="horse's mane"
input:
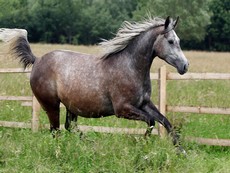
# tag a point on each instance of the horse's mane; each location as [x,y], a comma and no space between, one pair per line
[126,34]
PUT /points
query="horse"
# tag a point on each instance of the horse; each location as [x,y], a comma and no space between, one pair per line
[116,82]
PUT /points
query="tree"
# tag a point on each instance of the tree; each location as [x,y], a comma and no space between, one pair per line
[87,21]
[194,16]
[102,18]
[13,13]
[218,37]
[54,20]
[76,21]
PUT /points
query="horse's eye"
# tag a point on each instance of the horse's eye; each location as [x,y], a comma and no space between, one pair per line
[171,41]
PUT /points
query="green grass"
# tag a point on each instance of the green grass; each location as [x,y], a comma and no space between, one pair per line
[209,93]
[15,84]
[24,151]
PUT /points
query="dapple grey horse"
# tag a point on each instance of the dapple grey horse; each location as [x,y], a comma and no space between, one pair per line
[115,83]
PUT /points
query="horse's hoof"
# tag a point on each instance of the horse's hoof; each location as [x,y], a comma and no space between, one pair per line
[181,151]
[56,133]
[148,131]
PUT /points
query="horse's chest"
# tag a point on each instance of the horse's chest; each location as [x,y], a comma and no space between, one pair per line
[140,94]
[140,97]
[132,94]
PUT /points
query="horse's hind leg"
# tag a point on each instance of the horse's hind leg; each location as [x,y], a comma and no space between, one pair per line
[54,117]
[52,109]
[69,118]
[72,118]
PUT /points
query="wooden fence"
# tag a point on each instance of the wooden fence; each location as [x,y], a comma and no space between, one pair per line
[162,76]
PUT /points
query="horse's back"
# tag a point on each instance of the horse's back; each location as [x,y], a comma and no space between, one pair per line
[61,63]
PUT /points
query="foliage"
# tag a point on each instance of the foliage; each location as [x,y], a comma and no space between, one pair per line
[195,24]
[87,21]
[70,21]
[218,37]
[102,18]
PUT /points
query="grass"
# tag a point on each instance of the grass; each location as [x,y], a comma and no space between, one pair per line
[24,151]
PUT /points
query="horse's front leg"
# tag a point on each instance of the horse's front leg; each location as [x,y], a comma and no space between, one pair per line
[131,112]
[153,111]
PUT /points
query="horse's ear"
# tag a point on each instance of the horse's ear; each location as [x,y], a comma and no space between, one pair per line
[175,22]
[167,22]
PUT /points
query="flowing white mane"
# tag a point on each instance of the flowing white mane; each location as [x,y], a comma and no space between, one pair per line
[127,33]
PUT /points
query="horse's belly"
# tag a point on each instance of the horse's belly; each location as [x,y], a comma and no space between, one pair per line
[92,113]
[90,108]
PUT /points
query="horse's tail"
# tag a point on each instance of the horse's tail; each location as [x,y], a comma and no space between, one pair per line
[19,45]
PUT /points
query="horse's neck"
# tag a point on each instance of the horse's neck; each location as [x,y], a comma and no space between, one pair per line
[142,53]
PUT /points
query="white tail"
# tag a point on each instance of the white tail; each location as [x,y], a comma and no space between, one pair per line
[7,35]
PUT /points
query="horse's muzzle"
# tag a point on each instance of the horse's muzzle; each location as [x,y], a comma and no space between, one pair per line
[184,69]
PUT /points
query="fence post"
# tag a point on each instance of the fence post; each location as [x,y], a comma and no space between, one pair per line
[35,114]
[162,97]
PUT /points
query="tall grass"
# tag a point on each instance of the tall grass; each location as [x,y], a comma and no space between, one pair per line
[23,151]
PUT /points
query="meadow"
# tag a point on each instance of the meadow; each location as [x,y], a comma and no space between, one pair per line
[24,151]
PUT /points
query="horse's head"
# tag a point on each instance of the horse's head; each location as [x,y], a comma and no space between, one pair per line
[167,47]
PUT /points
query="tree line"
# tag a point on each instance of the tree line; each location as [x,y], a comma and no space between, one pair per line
[204,24]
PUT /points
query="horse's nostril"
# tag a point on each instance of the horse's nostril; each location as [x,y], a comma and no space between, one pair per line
[186,67]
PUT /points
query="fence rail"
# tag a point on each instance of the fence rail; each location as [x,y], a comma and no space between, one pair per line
[198,110]
[14,70]
[84,128]
[162,76]
[198,76]
[16,98]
